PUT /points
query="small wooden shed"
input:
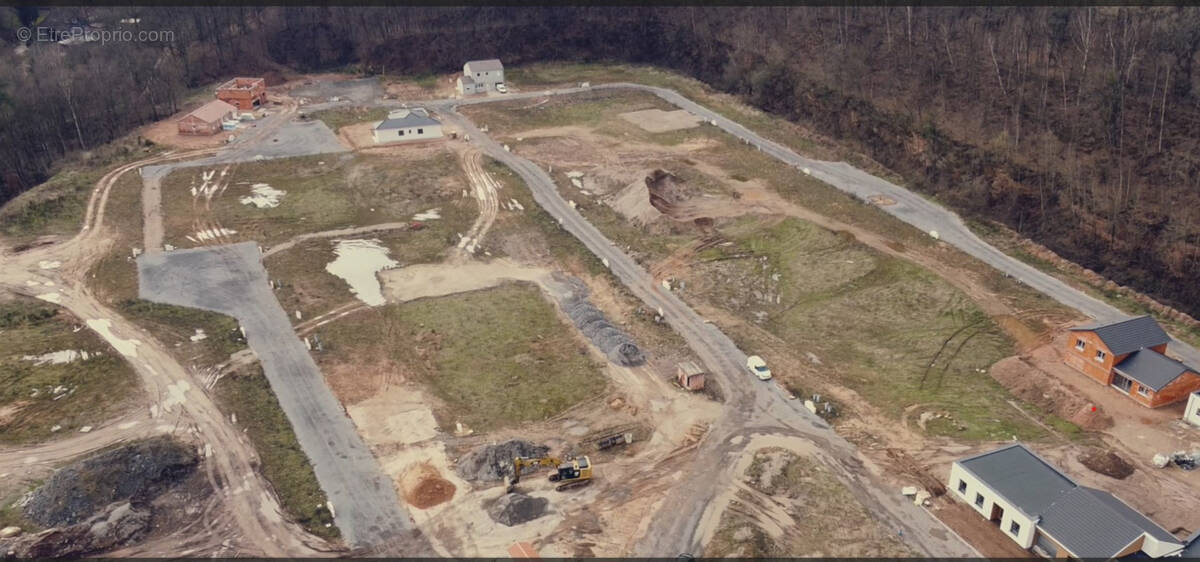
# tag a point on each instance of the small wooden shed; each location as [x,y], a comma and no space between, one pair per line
[690,375]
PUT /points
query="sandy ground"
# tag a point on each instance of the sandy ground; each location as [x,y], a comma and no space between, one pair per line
[659,121]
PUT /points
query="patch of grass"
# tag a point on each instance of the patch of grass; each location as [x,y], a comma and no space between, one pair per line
[247,394]
[343,116]
[323,192]
[57,206]
[88,390]
[495,358]
[894,333]
[599,109]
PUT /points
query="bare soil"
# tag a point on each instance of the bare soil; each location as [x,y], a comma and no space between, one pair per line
[1035,386]
[659,121]
[1107,463]
[424,487]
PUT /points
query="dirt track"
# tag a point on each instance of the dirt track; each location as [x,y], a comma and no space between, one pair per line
[259,526]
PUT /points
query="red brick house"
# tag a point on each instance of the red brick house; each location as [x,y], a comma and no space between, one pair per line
[243,93]
[1130,356]
[206,120]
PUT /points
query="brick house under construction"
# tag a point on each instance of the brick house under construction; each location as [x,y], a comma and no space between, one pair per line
[1130,356]
[243,93]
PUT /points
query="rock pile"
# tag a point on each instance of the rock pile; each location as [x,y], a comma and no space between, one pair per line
[135,472]
[494,462]
[616,344]
[514,509]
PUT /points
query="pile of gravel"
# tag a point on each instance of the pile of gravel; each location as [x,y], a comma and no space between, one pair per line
[494,462]
[514,509]
[135,472]
[615,344]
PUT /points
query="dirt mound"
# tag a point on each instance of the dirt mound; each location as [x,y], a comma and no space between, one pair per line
[135,472]
[494,462]
[424,487]
[616,344]
[1033,385]
[665,191]
[1107,463]
[514,509]
[633,203]
[117,525]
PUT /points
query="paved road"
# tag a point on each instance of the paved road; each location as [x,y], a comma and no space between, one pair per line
[231,280]
[751,407]
[910,207]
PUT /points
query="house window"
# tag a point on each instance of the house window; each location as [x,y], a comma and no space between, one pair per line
[400,132]
[1014,528]
[1143,391]
[978,500]
[1079,344]
[962,486]
[420,131]
[1100,355]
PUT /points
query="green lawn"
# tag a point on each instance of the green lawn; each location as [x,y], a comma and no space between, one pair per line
[340,117]
[493,358]
[35,398]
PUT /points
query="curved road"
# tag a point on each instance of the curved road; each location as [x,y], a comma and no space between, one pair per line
[752,407]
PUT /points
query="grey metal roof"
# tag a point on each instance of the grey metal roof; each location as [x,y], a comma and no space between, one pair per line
[1095,524]
[485,65]
[466,79]
[1090,523]
[413,119]
[1151,368]
[1192,548]
[1021,476]
[1128,335]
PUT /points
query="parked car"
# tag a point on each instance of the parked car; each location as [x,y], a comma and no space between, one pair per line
[758,367]
[502,88]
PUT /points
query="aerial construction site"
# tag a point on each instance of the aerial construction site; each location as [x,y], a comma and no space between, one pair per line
[545,310]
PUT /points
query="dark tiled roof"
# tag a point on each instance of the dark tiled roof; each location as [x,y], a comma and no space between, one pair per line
[1095,524]
[1019,475]
[1088,522]
[1130,335]
[1151,368]
[413,119]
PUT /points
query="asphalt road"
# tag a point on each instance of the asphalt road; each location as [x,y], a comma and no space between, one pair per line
[910,207]
[231,280]
[751,406]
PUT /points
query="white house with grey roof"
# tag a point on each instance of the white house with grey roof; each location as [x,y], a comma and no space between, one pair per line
[480,76]
[1042,509]
[407,125]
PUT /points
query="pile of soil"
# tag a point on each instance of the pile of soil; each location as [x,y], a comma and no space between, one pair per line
[137,472]
[664,191]
[494,462]
[1107,463]
[424,487]
[1033,385]
[514,509]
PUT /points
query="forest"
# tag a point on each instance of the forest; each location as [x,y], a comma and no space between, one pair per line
[1078,127]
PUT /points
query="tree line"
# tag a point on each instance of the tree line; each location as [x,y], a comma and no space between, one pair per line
[1076,126]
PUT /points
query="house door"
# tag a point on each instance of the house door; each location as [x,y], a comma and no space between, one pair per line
[1123,384]
[997,513]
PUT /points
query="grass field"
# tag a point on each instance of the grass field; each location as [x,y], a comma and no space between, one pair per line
[247,394]
[322,193]
[494,358]
[34,398]
[893,332]
[58,205]
[338,118]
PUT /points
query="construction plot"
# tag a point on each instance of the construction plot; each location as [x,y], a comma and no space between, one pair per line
[59,378]
[659,121]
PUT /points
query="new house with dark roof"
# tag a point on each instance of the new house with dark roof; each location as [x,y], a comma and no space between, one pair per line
[1130,356]
[1044,510]
[407,125]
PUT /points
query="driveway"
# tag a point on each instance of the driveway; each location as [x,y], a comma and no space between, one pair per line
[231,280]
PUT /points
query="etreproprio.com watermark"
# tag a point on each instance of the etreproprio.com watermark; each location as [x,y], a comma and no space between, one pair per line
[84,35]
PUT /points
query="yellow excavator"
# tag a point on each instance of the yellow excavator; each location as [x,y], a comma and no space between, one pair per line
[573,473]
